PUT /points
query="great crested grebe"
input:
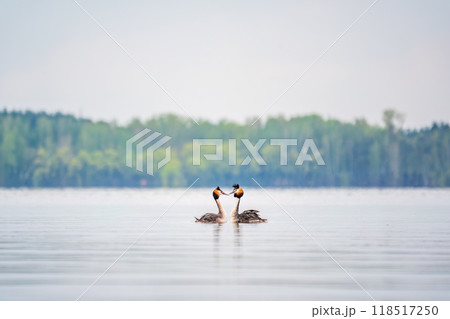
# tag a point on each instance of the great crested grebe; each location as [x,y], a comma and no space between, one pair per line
[247,216]
[211,218]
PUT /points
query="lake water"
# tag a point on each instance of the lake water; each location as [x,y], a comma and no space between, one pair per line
[395,243]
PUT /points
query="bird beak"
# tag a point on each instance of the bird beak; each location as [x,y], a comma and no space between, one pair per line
[233,191]
[223,193]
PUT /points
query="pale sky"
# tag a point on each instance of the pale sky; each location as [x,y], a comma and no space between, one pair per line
[227,59]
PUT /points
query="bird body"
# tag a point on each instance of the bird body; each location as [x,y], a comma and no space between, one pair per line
[211,218]
[250,216]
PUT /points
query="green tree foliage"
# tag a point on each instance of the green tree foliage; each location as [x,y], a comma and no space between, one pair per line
[56,150]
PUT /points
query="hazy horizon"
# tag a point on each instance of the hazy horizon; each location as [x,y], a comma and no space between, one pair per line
[227,60]
[248,120]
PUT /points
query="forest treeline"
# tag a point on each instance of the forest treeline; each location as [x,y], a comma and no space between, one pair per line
[57,150]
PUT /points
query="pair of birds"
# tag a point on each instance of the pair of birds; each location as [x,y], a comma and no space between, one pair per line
[248,216]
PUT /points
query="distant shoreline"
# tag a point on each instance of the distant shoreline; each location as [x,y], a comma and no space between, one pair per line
[57,150]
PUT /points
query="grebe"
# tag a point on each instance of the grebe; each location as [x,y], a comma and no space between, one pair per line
[211,218]
[247,216]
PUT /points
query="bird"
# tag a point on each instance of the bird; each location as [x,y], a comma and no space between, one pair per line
[211,218]
[248,216]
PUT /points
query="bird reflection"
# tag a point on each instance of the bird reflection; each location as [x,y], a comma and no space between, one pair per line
[216,234]
[237,235]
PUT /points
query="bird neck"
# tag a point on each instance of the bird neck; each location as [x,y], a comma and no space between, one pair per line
[235,210]
[222,213]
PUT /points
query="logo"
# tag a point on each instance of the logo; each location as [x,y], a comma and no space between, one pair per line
[146,142]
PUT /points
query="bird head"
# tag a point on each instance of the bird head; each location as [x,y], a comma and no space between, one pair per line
[217,192]
[237,191]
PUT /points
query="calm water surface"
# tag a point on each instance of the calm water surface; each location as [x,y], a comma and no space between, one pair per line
[55,243]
